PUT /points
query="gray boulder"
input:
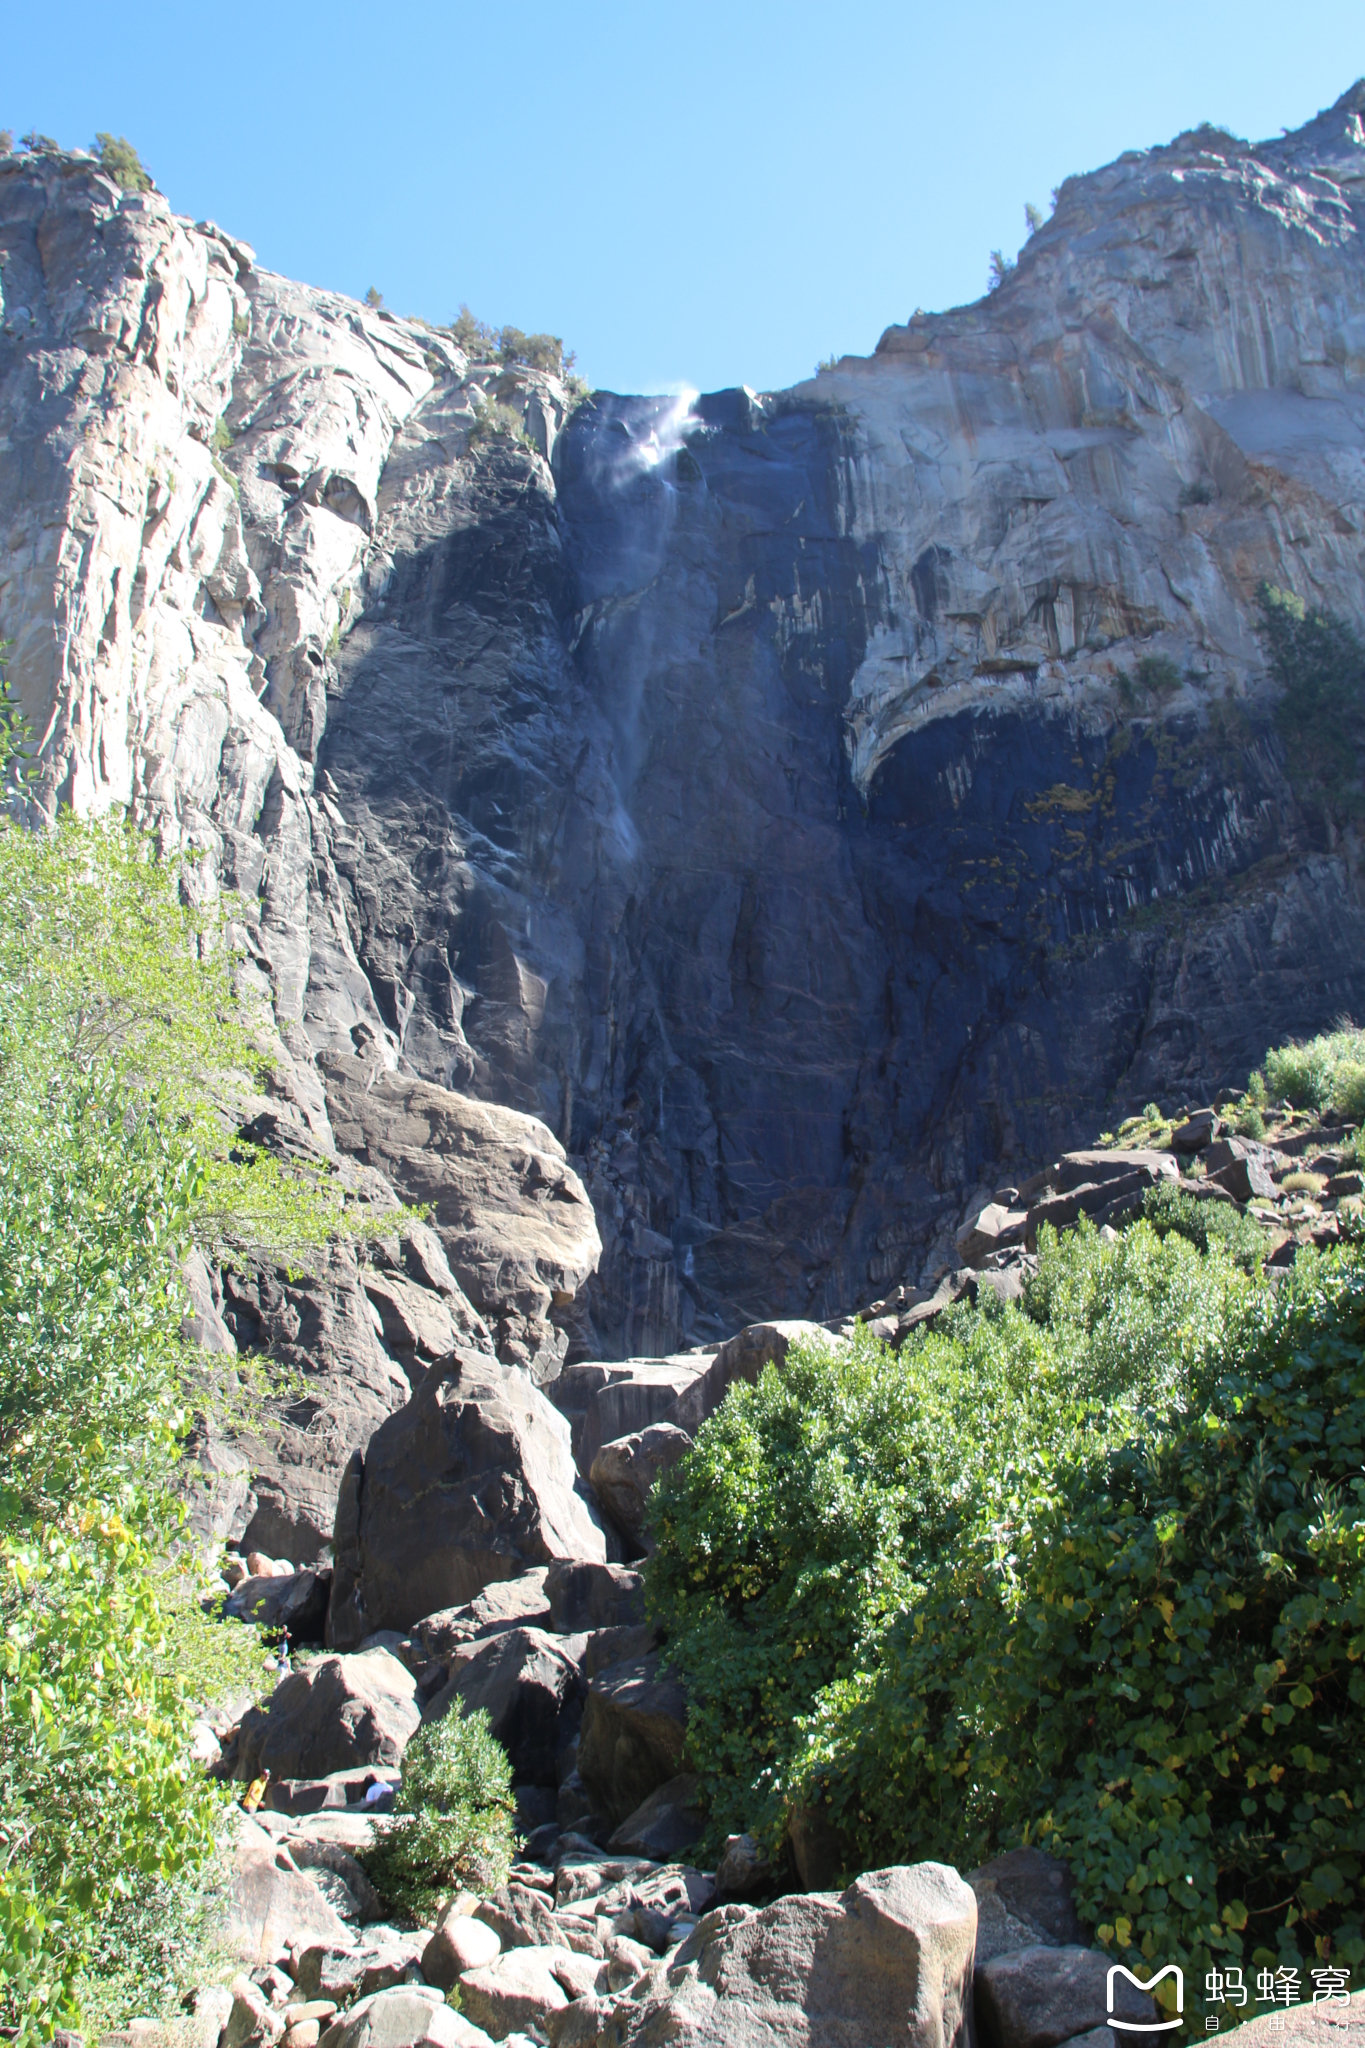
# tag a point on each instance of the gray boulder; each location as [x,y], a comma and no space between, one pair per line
[1035,1889]
[296,1601]
[624,1475]
[634,1735]
[519,1915]
[336,1714]
[507,1603]
[513,1218]
[406,2016]
[741,1357]
[889,1961]
[470,1482]
[744,1868]
[665,1824]
[589,1595]
[531,1686]
[1037,1997]
[272,1902]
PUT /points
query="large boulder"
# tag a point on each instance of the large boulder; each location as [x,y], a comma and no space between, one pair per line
[531,1686]
[1035,1889]
[506,1603]
[889,1961]
[605,1400]
[406,2016]
[513,1218]
[292,1601]
[519,1989]
[624,1473]
[470,1482]
[584,1594]
[669,1821]
[272,1902]
[741,1357]
[334,1715]
[1037,1997]
[634,1734]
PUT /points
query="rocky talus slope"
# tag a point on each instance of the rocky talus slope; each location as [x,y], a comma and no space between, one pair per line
[700,848]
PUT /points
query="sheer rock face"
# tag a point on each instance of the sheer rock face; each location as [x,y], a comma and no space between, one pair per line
[758,798]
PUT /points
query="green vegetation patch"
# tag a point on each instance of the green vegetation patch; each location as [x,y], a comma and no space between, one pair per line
[451,1827]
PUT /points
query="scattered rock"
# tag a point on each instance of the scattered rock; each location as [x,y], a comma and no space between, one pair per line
[889,1961]
[589,1595]
[520,1917]
[743,1357]
[507,1603]
[252,2020]
[296,1601]
[1036,1889]
[744,1868]
[326,1970]
[460,1943]
[273,1902]
[518,1989]
[406,2016]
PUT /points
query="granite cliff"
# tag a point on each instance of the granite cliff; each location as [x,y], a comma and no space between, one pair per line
[696,845]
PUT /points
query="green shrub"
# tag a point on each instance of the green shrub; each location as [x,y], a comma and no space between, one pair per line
[1326,1072]
[1149,1659]
[1319,663]
[1204,1223]
[1200,492]
[816,1502]
[452,1821]
[1247,1121]
[1158,675]
[497,420]
[121,160]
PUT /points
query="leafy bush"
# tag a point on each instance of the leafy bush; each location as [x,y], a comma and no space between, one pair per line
[121,160]
[817,1502]
[452,1821]
[495,420]
[1319,663]
[1204,1223]
[1327,1072]
[509,346]
[1150,1660]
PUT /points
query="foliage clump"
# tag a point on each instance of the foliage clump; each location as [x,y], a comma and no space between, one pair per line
[818,1503]
[1318,661]
[1323,1073]
[451,1827]
[121,160]
[510,346]
[1169,1208]
[1150,1662]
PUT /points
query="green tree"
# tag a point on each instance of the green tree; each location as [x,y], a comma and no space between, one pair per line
[125,1053]
[121,160]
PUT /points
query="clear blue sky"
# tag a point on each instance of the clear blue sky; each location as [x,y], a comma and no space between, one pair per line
[712,194]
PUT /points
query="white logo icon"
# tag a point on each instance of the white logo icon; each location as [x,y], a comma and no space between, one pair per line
[1146,2026]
